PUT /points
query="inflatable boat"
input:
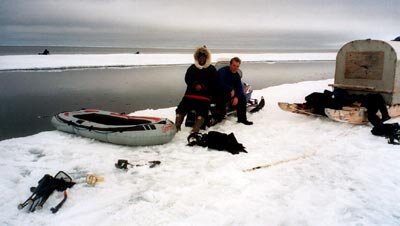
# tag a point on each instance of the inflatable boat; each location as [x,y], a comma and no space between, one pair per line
[116,128]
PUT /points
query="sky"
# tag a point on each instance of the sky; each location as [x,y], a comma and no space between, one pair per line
[184,23]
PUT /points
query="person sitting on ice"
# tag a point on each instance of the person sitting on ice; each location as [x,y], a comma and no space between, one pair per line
[201,81]
[232,92]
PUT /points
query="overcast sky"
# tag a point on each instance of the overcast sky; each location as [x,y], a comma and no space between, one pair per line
[184,23]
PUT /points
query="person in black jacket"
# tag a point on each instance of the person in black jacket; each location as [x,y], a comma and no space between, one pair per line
[232,90]
[201,81]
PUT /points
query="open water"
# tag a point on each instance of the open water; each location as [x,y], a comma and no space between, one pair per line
[29,98]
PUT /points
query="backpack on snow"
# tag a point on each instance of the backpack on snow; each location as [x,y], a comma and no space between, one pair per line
[389,130]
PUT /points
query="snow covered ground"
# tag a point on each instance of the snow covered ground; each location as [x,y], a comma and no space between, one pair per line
[319,172]
[35,62]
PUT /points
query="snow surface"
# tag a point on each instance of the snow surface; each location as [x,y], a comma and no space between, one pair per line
[319,172]
[46,62]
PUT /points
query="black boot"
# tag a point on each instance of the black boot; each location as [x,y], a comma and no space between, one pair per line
[197,124]
[246,122]
[241,112]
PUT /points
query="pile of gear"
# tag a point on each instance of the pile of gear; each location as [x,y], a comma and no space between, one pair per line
[46,186]
[339,98]
[218,141]
[391,131]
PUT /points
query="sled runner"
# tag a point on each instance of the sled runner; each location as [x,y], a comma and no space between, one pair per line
[253,106]
[352,115]
[296,108]
[349,114]
[356,115]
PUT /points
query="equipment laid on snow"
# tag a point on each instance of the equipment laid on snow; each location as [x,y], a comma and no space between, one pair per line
[46,186]
[116,128]
[354,114]
[253,106]
[299,108]
[268,165]
[389,130]
[349,114]
[92,179]
[123,164]
[218,141]
[357,115]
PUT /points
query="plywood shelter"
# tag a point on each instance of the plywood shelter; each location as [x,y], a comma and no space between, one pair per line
[370,66]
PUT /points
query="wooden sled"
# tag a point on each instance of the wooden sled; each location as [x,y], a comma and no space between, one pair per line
[296,108]
[357,115]
[351,114]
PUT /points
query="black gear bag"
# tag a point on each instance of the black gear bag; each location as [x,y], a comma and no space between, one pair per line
[218,141]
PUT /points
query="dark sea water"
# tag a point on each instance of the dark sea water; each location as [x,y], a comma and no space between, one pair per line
[29,98]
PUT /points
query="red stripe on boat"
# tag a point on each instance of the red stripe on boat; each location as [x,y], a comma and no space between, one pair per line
[90,110]
[135,117]
[167,128]
[118,115]
[146,117]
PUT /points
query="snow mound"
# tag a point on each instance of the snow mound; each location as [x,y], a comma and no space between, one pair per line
[317,172]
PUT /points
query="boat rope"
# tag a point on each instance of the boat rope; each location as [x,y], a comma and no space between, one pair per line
[44,116]
[304,156]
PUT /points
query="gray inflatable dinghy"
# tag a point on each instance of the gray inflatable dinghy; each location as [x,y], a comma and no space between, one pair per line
[116,128]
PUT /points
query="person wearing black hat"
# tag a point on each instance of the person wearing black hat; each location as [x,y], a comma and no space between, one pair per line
[201,81]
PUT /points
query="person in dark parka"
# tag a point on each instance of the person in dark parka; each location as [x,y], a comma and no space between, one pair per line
[201,81]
